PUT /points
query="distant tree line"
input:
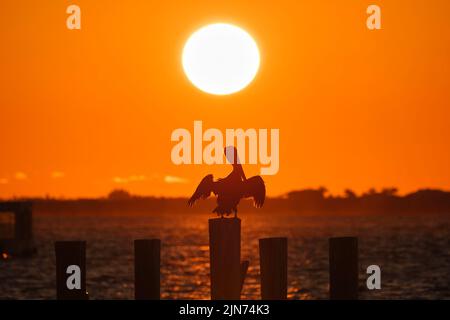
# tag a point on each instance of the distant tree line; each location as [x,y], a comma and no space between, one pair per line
[307,201]
[385,201]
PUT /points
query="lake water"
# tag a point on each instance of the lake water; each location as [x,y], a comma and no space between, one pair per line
[413,253]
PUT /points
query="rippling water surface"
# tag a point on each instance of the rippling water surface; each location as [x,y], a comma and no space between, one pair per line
[413,253]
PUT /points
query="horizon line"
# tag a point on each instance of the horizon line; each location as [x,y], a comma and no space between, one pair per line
[394,192]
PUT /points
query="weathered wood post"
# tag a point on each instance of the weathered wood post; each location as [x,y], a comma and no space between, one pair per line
[343,258]
[225,258]
[273,268]
[147,262]
[71,270]
[24,223]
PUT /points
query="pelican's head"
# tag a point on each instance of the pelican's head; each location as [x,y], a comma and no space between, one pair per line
[232,155]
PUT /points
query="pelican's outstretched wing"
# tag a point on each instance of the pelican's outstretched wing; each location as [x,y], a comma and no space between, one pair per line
[254,187]
[203,190]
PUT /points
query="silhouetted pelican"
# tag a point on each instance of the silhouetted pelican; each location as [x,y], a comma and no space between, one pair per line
[232,189]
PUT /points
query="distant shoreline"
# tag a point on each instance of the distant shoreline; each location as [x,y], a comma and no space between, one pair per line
[305,202]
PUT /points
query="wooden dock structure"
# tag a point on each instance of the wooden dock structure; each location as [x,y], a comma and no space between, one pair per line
[16,228]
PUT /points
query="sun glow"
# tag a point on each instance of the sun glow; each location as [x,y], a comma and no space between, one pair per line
[220,59]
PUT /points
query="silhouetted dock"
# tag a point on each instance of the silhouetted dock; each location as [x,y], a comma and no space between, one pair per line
[16,229]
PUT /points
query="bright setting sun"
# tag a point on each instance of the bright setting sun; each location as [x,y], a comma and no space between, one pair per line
[220,59]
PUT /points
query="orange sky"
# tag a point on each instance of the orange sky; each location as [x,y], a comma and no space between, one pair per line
[83,112]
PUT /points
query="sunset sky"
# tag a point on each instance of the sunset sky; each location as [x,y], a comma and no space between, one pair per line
[85,111]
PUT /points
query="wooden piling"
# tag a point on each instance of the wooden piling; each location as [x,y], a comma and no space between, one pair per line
[71,270]
[24,222]
[147,261]
[343,259]
[273,268]
[225,256]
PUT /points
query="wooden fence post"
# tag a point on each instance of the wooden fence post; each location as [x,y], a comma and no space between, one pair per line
[71,270]
[344,267]
[273,268]
[147,262]
[225,256]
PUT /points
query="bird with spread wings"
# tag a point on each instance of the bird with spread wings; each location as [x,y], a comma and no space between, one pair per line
[231,189]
